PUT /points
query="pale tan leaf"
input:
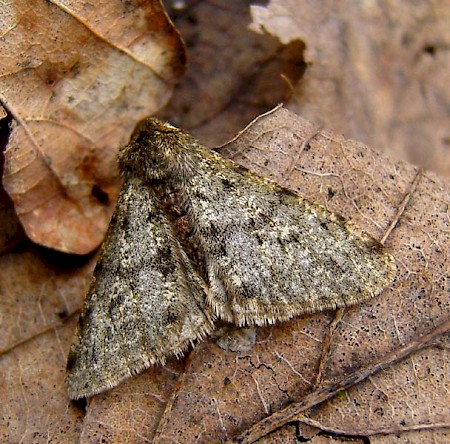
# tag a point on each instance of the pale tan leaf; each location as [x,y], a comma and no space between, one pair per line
[377,71]
[76,78]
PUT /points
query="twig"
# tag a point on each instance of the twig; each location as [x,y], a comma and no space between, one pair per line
[403,205]
[167,414]
[326,346]
[372,432]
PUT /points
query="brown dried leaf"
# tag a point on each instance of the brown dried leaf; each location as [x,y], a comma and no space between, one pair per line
[11,232]
[233,74]
[377,71]
[37,293]
[34,407]
[220,393]
[76,86]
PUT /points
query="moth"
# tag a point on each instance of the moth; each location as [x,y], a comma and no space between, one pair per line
[264,255]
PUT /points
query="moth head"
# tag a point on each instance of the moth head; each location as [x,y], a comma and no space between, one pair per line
[153,151]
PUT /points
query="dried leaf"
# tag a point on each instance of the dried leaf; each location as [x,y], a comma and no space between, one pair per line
[75,86]
[233,73]
[36,295]
[377,71]
[11,232]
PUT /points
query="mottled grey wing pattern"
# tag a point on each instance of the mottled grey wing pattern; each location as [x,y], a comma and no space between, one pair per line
[145,302]
[268,255]
[271,255]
